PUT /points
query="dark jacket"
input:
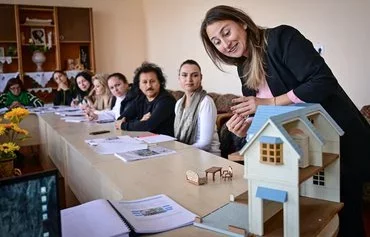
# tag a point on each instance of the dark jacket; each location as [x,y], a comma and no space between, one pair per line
[63,97]
[292,63]
[125,103]
[162,118]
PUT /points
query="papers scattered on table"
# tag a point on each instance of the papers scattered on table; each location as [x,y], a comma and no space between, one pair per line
[72,119]
[118,144]
[142,154]
[155,138]
[78,113]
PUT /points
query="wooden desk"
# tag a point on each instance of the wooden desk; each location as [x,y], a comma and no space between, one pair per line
[91,176]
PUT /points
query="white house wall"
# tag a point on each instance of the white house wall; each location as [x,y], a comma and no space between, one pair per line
[330,191]
[286,173]
[329,134]
[314,147]
[291,207]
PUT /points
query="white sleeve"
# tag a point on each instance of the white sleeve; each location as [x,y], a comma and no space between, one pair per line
[103,115]
[206,123]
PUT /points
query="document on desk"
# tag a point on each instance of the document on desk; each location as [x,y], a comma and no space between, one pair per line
[94,219]
[153,214]
[73,119]
[116,144]
[155,138]
[143,154]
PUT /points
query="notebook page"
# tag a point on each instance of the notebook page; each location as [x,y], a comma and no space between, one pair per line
[94,219]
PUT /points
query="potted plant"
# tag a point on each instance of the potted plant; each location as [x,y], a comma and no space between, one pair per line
[10,134]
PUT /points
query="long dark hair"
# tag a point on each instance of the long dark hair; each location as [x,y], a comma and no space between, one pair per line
[190,62]
[12,82]
[64,74]
[253,70]
[88,77]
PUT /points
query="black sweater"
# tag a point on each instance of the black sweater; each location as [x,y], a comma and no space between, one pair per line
[125,103]
[63,97]
[292,63]
[162,110]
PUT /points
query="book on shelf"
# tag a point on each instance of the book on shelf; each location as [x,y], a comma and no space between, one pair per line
[142,154]
[118,218]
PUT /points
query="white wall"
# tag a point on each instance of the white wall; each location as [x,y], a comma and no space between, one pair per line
[341,26]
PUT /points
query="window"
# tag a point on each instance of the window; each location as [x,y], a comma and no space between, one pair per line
[271,153]
[319,178]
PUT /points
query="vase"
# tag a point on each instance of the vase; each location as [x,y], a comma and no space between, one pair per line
[6,167]
[38,58]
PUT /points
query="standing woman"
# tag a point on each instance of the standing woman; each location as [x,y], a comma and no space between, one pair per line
[64,94]
[16,96]
[279,66]
[195,121]
[99,97]
[83,88]
[123,97]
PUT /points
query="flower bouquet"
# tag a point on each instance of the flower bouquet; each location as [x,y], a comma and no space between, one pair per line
[10,134]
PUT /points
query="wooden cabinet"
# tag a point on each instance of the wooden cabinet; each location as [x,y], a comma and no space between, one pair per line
[67,31]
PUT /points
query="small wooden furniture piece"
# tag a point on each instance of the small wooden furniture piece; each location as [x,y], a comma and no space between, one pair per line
[227,174]
[193,177]
[213,170]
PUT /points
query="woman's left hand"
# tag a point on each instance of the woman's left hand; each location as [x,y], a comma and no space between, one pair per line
[247,105]
[118,123]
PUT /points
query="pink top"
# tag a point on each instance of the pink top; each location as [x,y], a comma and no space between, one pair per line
[265,92]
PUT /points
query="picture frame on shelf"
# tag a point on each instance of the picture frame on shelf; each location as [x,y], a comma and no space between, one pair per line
[2,52]
[38,36]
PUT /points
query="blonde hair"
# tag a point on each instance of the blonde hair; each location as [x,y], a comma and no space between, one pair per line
[253,67]
[100,102]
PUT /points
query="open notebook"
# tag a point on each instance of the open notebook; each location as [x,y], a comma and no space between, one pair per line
[118,218]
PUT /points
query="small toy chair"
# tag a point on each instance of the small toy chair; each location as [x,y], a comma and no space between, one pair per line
[227,174]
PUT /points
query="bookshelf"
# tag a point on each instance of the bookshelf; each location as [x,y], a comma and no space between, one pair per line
[68,31]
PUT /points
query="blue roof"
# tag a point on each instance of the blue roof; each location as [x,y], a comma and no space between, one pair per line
[277,115]
[272,194]
[271,140]
[264,112]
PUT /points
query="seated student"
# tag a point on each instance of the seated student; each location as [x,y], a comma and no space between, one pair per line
[99,97]
[122,98]
[195,121]
[153,109]
[65,93]
[83,88]
[16,96]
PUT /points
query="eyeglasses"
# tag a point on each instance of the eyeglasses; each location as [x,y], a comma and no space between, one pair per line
[13,88]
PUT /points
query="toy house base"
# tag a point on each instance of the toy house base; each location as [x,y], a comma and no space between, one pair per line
[315,216]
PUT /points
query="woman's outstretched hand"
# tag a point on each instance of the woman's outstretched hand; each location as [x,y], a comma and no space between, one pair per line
[247,105]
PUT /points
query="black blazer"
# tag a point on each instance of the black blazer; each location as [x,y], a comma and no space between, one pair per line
[292,63]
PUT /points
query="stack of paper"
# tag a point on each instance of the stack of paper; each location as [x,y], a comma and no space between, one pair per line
[118,144]
[156,138]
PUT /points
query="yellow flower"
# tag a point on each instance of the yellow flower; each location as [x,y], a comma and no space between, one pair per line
[9,147]
[19,130]
[16,115]
[2,130]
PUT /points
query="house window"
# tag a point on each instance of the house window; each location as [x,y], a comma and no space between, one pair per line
[319,178]
[271,153]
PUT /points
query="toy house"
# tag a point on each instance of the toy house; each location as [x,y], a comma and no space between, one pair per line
[291,157]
